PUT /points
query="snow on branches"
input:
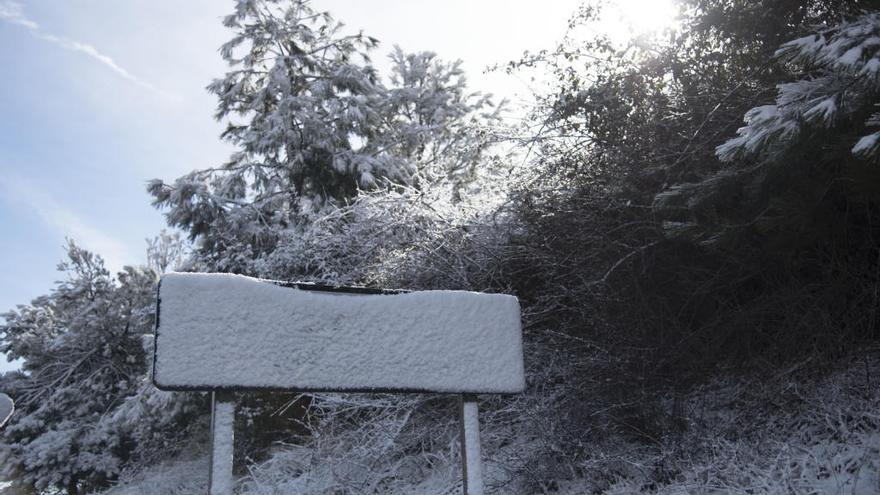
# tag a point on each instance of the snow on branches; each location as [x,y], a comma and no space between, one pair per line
[314,126]
[83,355]
[842,79]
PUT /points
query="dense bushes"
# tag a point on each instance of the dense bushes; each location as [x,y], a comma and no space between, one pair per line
[666,267]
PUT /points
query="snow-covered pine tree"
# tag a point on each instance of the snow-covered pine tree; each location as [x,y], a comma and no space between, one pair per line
[313,125]
[300,102]
[434,122]
[83,355]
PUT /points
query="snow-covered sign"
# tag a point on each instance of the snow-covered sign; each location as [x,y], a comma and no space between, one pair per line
[222,332]
[230,332]
[6,408]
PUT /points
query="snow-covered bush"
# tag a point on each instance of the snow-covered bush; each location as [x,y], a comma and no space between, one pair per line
[791,434]
[405,238]
[186,474]
[409,444]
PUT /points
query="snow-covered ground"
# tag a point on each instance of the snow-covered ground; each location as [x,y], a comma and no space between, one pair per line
[820,437]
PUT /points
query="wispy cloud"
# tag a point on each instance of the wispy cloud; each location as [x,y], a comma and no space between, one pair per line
[12,12]
[65,221]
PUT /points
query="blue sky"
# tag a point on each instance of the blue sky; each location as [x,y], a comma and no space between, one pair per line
[99,96]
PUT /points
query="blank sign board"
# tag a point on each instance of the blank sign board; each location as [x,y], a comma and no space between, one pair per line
[222,332]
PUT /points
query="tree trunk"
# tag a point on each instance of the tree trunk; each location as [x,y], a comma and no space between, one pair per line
[71,486]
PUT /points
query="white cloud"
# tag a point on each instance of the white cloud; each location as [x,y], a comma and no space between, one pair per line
[66,222]
[13,13]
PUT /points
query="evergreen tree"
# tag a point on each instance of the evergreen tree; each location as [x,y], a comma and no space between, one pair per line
[300,110]
[313,125]
[82,356]
[843,68]
[434,122]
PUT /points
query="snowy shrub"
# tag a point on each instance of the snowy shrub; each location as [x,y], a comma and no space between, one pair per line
[182,475]
[407,238]
[781,437]
[389,444]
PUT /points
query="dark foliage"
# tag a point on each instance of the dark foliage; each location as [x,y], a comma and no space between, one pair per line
[640,244]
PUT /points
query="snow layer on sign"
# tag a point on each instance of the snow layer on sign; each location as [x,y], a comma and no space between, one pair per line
[221,331]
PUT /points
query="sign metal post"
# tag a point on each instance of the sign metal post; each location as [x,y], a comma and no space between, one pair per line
[471,464]
[222,442]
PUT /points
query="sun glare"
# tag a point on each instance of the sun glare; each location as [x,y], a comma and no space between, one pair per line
[626,19]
